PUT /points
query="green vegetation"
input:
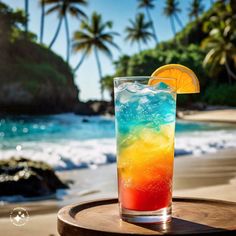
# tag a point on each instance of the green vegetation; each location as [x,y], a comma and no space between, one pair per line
[33,78]
[207,45]
[221,95]
[221,42]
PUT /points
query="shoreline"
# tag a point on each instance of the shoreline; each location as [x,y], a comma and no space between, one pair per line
[193,176]
[209,176]
[227,116]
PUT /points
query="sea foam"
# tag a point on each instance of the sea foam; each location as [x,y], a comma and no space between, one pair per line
[70,154]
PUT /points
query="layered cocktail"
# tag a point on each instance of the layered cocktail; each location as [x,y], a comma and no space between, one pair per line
[145,109]
[145,118]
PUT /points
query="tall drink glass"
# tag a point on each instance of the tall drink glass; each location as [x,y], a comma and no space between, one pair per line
[145,126]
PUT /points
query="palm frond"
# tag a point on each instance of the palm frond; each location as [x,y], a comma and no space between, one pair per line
[171,7]
[146,4]
[109,40]
[55,8]
[104,49]
[79,2]
[138,30]
[51,1]
[80,35]
[94,33]
[76,12]
[81,46]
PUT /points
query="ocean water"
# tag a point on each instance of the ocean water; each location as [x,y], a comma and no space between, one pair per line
[69,141]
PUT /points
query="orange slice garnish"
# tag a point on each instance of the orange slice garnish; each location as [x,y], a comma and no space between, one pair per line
[178,77]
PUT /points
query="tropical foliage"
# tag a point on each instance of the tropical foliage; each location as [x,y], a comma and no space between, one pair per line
[138,31]
[11,21]
[222,94]
[172,10]
[196,8]
[149,5]
[207,43]
[33,78]
[221,41]
[210,40]
[95,36]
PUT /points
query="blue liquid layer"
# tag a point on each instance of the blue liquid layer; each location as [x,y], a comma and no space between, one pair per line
[144,106]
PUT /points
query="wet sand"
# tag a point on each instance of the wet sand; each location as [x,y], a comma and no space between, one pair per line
[208,176]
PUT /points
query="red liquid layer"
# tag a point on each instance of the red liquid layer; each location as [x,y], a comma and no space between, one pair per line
[144,199]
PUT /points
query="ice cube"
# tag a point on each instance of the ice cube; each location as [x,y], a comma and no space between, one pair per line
[122,87]
[124,97]
[134,87]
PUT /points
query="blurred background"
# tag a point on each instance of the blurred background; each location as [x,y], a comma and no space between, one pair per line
[58,59]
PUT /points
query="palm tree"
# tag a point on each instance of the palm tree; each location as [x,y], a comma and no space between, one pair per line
[139,31]
[27,15]
[42,2]
[196,8]
[221,47]
[171,10]
[63,8]
[94,37]
[148,5]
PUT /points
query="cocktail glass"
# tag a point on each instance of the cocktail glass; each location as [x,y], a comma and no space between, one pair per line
[145,126]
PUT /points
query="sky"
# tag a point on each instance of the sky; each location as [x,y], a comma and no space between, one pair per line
[118,11]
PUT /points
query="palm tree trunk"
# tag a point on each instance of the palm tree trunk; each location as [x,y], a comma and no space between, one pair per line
[80,62]
[42,21]
[139,46]
[172,25]
[197,17]
[27,15]
[67,39]
[99,71]
[153,27]
[229,71]
[57,32]
[178,20]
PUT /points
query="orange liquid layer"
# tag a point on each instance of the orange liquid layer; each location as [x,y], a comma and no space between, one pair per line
[145,169]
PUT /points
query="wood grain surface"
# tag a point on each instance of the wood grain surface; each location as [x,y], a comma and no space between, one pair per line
[190,216]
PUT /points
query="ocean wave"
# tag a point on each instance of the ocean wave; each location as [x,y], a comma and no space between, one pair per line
[70,154]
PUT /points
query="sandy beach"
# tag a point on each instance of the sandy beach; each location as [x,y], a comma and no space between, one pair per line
[223,116]
[210,176]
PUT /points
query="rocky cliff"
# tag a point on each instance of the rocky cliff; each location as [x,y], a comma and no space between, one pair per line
[34,80]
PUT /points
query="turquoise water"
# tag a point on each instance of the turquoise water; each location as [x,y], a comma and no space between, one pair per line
[55,127]
[72,127]
[69,141]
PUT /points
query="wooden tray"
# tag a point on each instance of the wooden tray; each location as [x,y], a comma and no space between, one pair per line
[190,216]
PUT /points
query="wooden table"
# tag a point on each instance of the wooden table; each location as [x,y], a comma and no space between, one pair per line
[190,216]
